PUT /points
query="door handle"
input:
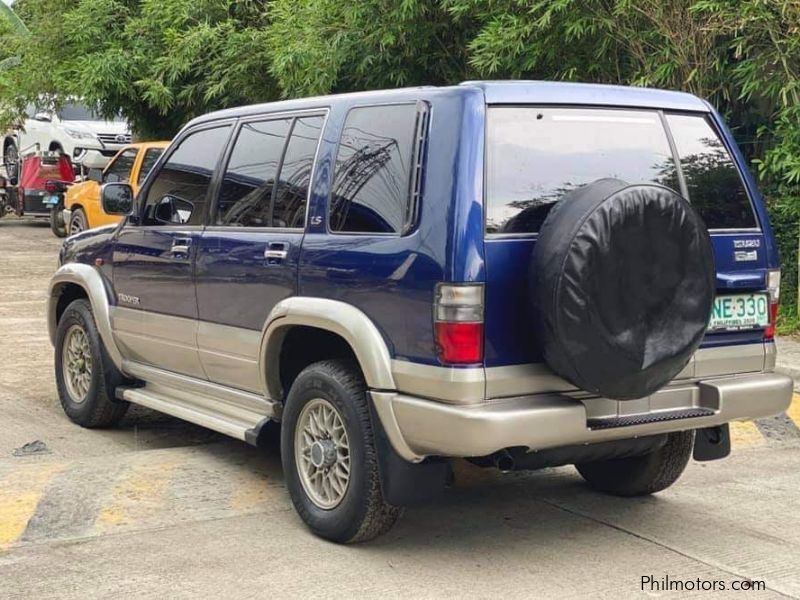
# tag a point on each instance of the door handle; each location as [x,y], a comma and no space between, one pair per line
[181,246]
[276,252]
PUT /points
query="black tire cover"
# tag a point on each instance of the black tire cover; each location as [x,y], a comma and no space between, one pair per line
[622,283]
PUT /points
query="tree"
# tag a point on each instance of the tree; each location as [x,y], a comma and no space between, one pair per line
[159,63]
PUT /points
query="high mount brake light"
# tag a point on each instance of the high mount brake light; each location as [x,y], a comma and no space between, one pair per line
[458,323]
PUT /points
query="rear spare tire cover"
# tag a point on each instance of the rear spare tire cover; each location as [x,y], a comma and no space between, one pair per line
[622,283]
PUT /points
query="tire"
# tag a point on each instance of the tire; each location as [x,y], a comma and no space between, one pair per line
[622,281]
[641,475]
[88,401]
[78,221]
[57,225]
[11,159]
[359,512]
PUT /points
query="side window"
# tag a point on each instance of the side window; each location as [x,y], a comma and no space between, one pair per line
[151,155]
[371,188]
[291,193]
[715,187]
[120,168]
[245,196]
[179,190]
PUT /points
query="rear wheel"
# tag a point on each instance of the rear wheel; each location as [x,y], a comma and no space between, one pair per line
[85,376]
[57,225]
[641,475]
[78,221]
[329,458]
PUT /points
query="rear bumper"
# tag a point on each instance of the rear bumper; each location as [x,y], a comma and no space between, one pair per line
[418,428]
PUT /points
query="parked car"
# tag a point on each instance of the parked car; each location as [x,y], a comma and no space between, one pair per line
[74,130]
[82,207]
[522,274]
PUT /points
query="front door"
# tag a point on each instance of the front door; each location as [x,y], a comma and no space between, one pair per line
[155,319]
[247,259]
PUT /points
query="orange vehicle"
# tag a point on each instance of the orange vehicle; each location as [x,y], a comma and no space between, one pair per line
[82,206]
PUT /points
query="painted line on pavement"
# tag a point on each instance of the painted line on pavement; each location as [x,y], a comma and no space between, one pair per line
[20,493]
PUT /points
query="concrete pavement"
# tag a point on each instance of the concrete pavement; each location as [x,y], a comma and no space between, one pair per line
[159,508]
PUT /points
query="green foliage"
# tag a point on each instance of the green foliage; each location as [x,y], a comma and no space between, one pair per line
[158,63]
[318,46]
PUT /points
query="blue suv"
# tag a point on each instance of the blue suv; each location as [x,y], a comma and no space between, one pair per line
[523,274]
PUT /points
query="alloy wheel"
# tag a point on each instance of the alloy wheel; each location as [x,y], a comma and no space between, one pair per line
[77,363]
[322,453]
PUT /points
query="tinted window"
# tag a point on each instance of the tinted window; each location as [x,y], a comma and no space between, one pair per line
[292,189]
[714,185]
[148,161]
[179,190]
[120,167]
[373,167]
[246,193]
[537,155]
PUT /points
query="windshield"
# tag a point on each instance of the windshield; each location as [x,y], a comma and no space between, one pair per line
[80,112]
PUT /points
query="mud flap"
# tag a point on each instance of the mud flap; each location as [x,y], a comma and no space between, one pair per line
[712,443]
[404,483]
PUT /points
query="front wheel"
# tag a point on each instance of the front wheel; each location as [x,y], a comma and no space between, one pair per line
[11,160]
[641,475]
[57,225]
[329,458]
[85,376]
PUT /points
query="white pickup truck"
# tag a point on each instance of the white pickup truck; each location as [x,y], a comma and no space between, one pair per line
[74,129]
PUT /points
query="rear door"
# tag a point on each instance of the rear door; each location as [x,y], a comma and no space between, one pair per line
[535,155]
[247,259]
[716,190]
[155,320]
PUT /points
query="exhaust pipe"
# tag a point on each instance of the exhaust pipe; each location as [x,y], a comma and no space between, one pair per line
[504,461]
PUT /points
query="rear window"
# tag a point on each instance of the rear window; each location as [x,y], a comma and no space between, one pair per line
[715,188]
[536,155]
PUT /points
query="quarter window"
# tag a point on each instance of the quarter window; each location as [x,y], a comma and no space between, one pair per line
[245,197]
[120,168]
[179,190]
[715,187]
[371,188]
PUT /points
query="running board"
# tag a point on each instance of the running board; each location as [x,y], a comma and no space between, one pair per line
[207,411]
[642,419]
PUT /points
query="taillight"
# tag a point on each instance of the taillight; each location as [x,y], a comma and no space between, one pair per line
[458,323]
[52,187]
[774,289]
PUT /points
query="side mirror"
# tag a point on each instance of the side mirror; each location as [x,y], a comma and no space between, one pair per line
[43,117]
[95,175]
[117,198]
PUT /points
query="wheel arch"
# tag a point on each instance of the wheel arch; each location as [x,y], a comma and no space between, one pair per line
[334,320]
[76,280]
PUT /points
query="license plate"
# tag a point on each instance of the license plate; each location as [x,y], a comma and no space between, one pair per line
[740,311]
[50,200]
